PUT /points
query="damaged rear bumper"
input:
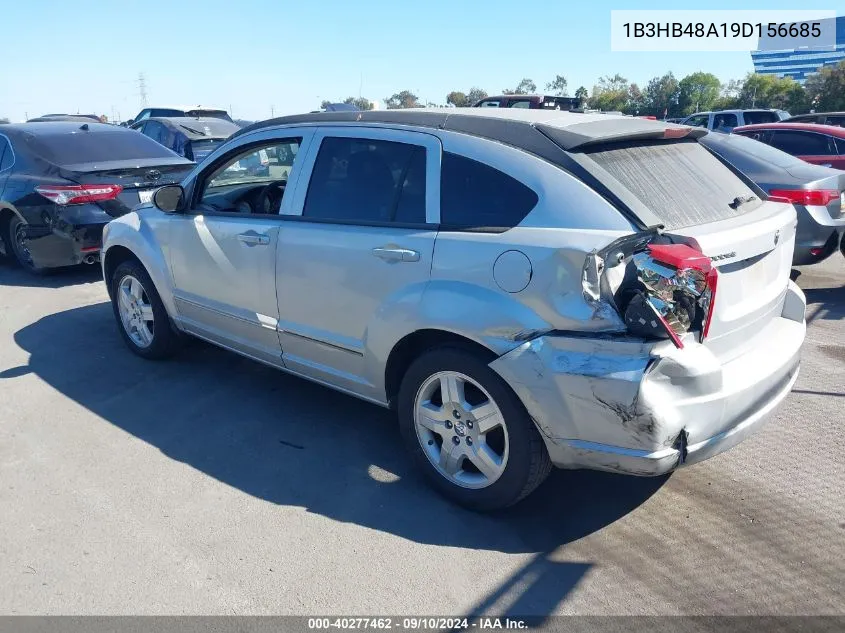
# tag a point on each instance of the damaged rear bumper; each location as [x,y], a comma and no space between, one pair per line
[73,236]
[646,408]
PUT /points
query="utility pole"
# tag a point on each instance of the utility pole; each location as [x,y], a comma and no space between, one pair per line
[142,89]
[272,111]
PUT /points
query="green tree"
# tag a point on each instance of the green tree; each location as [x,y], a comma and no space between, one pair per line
[524,87]
[636,100]
[475,95]
[610,93]
[660,97]
[558,86]
[457,99]
[698,92]
[826,89]
[728,98]
[583,95]
[769,91]
[359,102]
[400,100]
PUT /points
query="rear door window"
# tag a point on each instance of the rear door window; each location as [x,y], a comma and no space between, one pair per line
[153,130]
[724,121]
[752,118]
[681,182]
[7,158]
[476,196]
[368,181]
[800,143]
[697,121]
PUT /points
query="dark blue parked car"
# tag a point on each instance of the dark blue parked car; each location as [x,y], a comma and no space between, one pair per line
[193,138]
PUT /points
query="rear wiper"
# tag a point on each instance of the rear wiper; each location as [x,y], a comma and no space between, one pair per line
[741,200]
[190,129]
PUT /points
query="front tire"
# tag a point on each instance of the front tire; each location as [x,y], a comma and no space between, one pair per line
[468,431]
[141,316]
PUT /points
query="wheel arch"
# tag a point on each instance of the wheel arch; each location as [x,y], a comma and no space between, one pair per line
[411,346]
[123,240]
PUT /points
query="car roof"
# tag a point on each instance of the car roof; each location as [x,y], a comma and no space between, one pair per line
[832,130]
[524,128]
[213,127]
[815,114]
[183,108]
[45,128]
[733,111]
[83,118]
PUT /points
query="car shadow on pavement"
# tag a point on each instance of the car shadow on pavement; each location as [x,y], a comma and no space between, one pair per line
[825,303]
[57,278]
[288,441]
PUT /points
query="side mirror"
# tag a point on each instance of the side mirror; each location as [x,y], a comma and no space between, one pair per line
[129,122]
[169,198]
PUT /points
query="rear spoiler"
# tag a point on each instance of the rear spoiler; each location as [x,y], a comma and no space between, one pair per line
[613,130]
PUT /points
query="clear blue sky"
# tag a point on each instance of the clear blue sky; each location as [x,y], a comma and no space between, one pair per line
[253,54]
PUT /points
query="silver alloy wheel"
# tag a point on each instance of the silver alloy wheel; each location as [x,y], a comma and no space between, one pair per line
[136,312]
[18,235]
[461,430]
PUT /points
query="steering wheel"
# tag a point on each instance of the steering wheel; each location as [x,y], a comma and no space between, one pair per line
[267,199]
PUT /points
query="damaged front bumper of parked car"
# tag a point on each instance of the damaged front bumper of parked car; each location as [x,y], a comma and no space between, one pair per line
[639,407]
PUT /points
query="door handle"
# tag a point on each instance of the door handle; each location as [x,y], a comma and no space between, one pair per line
[251,238]
[396,254]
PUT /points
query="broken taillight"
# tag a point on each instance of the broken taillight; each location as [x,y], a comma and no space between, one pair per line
[674,293]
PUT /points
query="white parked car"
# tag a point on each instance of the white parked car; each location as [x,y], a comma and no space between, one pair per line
[727,120]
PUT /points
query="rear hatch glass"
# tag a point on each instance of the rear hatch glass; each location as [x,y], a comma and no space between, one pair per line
[214,114]
[680,182]
[97,147]
[752,118]
[701,201]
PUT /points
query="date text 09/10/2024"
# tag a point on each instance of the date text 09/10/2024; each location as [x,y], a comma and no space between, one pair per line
[417,623]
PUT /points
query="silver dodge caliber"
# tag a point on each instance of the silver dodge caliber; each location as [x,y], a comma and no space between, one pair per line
[525,288]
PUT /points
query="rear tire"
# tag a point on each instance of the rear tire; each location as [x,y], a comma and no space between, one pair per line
[468,432]
[16,249]
[140,314]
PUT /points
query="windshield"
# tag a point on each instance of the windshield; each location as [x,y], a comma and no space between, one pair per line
[257,165]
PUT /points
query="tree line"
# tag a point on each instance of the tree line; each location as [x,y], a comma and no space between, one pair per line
[665,95]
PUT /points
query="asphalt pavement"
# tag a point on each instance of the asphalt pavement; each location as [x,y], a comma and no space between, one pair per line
[210,484]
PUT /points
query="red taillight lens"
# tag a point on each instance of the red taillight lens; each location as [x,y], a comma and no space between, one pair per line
[79,194]
[814,198]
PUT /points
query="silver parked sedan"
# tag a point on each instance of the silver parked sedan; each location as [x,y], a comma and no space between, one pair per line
[526,288]
[817,192]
